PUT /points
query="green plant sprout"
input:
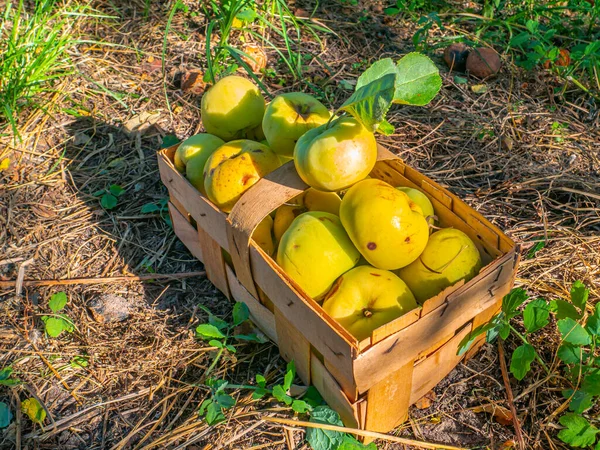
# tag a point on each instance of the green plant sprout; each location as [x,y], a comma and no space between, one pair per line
[575,357]
[58,322]
[109,198]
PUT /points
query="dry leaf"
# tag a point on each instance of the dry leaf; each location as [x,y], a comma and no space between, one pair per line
[479,88]
[256,59]
[4,164]
[192,82]
[425,401]
[502,415]
[140,123]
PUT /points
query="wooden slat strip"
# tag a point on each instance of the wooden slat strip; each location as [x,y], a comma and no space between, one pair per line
[293,346]
[214,262]
[436,367]
[261,316]
[206,215]
[185,232]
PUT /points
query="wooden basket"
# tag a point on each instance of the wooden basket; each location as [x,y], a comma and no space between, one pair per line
[370,383]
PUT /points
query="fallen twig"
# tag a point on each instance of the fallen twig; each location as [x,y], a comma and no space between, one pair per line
[509,397]
[106,280]
[366,433]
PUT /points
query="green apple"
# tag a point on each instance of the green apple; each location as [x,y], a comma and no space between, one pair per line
[420,199]
[315,250]
[450,256]
[365,298]
[288,117]
[334,156]
[233,109]
[202,143]
[235,167]
[384,224]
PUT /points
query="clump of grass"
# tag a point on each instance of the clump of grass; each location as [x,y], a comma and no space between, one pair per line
[33,56]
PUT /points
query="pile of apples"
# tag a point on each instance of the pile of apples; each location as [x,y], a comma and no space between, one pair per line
[363,247]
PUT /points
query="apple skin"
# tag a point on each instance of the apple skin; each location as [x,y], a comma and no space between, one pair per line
[192,155]
[233,109]
[384,224]
[288,117]
[451,255]
[365,298]
[310,200]
[315,250]
[421,200]
[263,235]
[334,158]
[233,168]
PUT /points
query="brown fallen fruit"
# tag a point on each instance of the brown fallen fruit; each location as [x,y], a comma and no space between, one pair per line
[456,55]
[563,59]
[483,62]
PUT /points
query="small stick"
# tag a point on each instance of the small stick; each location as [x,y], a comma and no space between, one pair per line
[509,397]
[372,434]
[106,280]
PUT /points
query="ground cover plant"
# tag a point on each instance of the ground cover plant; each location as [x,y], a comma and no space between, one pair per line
[91,89]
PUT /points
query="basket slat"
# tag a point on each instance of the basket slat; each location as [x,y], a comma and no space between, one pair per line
[293,346]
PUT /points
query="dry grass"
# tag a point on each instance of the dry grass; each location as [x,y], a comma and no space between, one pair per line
[142,386]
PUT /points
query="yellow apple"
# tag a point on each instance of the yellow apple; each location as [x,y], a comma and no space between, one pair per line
[310,200]
[233,109]
[334,156]
[233,168]
[263,235]
[450,256]
[315,250]
[384,224]
[288,117]
[365,298]
[420,199]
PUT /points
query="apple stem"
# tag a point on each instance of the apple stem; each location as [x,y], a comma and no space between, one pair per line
[367,313]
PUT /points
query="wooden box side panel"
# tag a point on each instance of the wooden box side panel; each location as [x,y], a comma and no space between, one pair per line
[206,215]
[185,232]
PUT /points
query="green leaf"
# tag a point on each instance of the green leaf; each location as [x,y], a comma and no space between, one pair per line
[149,208]
[225,401]
[418,80]
[572,332]
[300,406]
[5,415]
[215,343]
[108,201]
[259,393]
[579,295]
[535,315]
[240,313]
[5,373]
[231,348]
[208,331]
[521,361]
[57,301]
[290,373]
[570,354]
[564,309]
[116,190]
[204,406]
[169,140]
[370,103]
[377,70]
[217,322]
[320,439]
[54,325]
[386,128]
[34,410]
[214,414]
[79,362]
[250,337]
[591,384]
[536,248]
[279,394]
[350,443]
[504,330]
[593,322]
[246,15]
[580,400]
[468,340]
[512,301]
[312,397]
[261,380]
[578,432]
[460,80]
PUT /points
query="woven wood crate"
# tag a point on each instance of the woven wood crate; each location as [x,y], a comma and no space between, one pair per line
[370,383]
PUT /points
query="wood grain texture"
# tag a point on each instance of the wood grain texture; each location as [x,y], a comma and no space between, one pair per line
[293,346]
[185,232]
[214,262]
[259,314]
[428,373]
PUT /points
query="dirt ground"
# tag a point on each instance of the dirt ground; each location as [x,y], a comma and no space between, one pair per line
[141,387]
